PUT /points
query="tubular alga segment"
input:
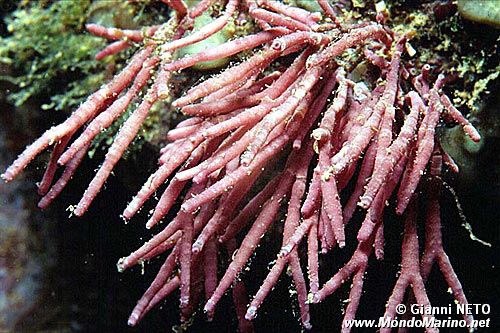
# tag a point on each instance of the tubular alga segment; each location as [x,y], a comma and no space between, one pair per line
[239,122]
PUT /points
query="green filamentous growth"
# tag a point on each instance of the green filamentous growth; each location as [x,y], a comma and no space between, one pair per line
[45,49]
[50,56]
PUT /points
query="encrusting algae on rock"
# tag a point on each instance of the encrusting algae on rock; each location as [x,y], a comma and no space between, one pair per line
[484,11]
[341,101]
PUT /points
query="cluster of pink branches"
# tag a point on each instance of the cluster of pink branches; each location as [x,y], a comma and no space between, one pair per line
[378,134]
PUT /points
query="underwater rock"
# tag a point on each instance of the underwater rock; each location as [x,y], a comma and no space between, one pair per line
[21,263]
[477,161]
[216,39]
[18,269]
[484,11]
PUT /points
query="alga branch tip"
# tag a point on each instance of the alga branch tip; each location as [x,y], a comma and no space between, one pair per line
[330,129]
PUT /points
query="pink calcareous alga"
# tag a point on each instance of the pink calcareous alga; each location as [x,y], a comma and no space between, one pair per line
[289,127]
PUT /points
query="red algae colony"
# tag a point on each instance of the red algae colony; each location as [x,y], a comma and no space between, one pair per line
[261,137]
